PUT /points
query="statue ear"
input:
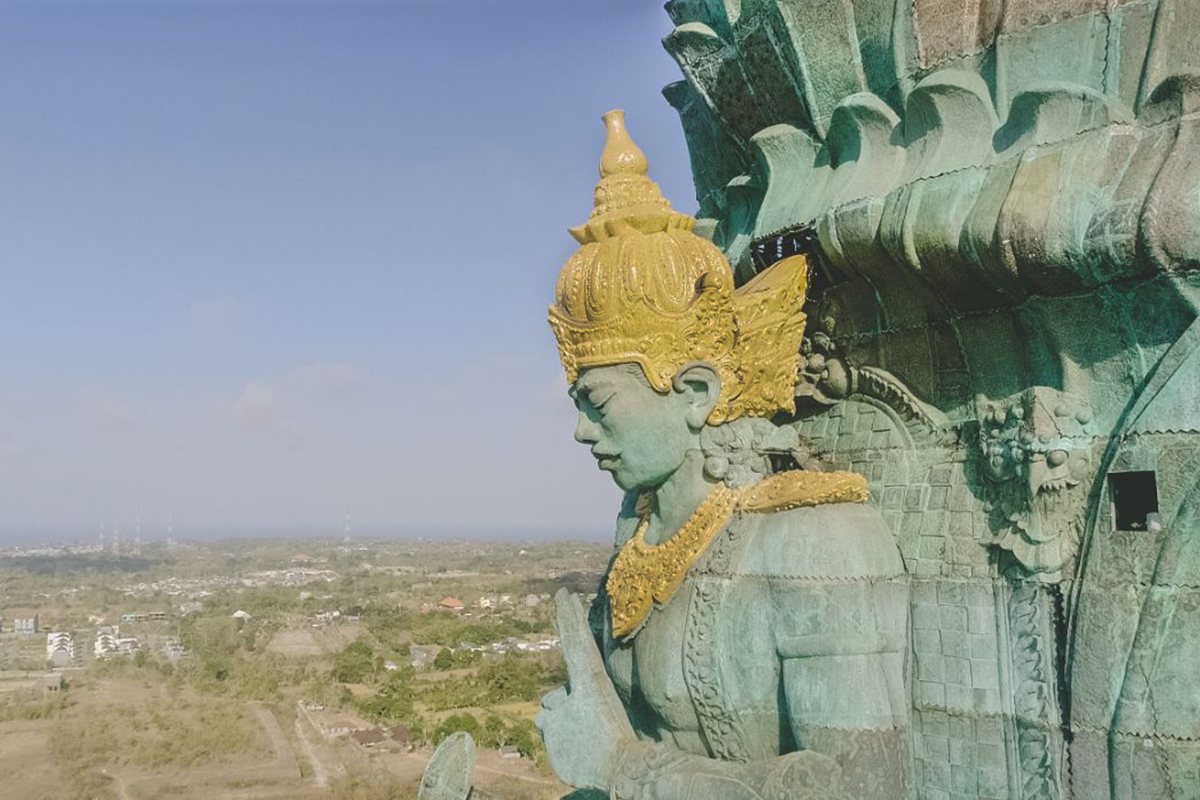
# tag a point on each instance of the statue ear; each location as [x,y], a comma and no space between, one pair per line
[701,387]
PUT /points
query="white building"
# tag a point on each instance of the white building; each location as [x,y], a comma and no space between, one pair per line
[420,656]
[60,649]
[339,728]
[173,650]
[21,620]
[129,646]
[106,642]
[110,643]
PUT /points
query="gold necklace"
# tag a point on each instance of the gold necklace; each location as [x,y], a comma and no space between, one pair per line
[645,574]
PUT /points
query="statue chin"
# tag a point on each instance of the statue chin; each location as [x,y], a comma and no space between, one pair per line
[631,483]
[623,481]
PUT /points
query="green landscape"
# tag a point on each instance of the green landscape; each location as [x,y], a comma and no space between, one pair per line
[278,668]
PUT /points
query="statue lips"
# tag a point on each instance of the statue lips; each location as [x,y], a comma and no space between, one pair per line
[606,461]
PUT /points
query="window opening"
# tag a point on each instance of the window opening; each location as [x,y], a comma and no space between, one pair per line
[802,241]
[1134,497]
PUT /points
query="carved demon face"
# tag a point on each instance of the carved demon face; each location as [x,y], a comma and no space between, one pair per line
[1041,438]
[1036,449]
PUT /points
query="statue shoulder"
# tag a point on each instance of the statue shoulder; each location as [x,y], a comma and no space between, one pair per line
[817,524]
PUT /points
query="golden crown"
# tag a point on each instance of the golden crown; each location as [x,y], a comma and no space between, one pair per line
[644,289]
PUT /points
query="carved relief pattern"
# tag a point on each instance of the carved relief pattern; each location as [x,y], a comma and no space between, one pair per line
[922,422]
[645,574]
[1036,455]
[924,494]
[651,771]
[717,713]
[825,376]
[740,452]
[1032,691]
[643,765]
[1025,202]
[874,762]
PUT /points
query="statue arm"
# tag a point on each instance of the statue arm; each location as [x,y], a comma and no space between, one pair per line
[653,771]
[839,603]
[841,691]
[591,743]
[845,699]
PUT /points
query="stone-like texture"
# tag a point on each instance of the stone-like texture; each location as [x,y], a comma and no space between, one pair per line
[739,650]
[1000,197]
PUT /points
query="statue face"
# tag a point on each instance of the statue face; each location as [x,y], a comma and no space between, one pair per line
[636,433]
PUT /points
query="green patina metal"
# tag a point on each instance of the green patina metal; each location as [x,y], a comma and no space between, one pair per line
[1003,199]
[999,201]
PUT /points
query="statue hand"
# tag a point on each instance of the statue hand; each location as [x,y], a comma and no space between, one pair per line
[583,724]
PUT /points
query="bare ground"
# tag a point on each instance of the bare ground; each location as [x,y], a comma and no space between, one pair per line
[28,771]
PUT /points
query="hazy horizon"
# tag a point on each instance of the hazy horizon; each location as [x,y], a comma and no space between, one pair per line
[69,537]
[270,263]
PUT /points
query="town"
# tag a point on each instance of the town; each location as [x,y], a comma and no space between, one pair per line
[278,668]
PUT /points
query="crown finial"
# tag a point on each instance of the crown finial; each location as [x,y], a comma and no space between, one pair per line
[621,156]
[626,198]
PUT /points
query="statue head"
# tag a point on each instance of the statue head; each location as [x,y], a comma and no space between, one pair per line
[640,435]
[655,340]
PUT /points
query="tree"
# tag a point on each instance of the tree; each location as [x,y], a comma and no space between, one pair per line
[465,722]
[393,702]
[212,637]
[511,678]
[355,663]
[523,736]
[493,733]
[444,659]
[466,658]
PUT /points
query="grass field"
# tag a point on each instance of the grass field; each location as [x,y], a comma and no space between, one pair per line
[124,739]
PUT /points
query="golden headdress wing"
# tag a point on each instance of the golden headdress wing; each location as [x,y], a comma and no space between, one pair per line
[769,314]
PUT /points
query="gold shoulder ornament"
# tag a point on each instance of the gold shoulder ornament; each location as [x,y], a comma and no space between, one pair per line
[645,575]
[796,489]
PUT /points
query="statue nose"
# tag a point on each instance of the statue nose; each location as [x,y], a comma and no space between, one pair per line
[586,431]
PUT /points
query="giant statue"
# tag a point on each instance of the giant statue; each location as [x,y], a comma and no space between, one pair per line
[750,640]
[989,211]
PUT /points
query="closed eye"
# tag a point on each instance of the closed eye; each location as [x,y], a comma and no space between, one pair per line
[598,400]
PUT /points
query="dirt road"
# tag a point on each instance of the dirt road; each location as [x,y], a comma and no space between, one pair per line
[320,775]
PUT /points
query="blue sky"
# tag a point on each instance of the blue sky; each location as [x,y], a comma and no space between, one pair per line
[264,262]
